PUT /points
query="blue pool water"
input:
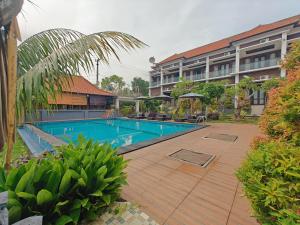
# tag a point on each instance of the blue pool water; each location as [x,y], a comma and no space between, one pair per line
[118,132]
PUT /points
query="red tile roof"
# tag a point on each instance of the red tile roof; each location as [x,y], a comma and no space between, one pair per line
[80,85]
[227,41]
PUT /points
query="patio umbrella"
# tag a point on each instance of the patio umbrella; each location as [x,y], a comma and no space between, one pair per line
[143,98]
[191,96]
[162,97]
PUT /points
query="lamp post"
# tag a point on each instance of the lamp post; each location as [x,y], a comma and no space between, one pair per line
[97,72]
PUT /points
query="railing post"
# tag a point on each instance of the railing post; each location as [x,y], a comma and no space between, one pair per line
[161,81]
[237,70]
[283,52]
[207,69]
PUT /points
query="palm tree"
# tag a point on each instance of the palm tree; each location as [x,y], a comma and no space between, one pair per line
[46,59]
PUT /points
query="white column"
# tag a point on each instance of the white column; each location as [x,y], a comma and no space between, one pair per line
[237,65]
[117,104]
[283,52]
[207,69]
[180,70]
[237,70]
[161,81]
[137,106]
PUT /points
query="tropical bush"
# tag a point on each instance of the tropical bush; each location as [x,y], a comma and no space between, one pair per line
[152,105]
[127,109]
[271,179]
[271,172]
[281,118]
[77,183]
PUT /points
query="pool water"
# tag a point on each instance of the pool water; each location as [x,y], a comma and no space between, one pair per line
[118,132]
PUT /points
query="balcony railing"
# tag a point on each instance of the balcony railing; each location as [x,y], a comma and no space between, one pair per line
[154,83]
[195,77]
[170,80]
[221,73]
[198,76]
[259,64]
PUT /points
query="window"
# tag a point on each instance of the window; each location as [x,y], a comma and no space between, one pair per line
[258,98]
[263,61]
[247,64]
[256,63]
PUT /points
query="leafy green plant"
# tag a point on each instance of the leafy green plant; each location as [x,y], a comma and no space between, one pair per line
[152,105]
[271,180]
[77,183]
[126,110]
[271,173]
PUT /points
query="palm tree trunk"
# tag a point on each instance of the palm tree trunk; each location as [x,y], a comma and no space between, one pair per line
[11,88]
[3,92]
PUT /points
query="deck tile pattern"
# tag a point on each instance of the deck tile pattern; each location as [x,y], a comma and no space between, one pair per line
[174,192]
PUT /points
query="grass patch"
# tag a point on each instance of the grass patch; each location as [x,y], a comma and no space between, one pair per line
[19,150]
[230,119]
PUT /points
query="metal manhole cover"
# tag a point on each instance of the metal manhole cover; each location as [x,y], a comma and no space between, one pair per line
[222,137]
[197,158]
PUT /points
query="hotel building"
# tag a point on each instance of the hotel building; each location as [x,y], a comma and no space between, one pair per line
[255,53]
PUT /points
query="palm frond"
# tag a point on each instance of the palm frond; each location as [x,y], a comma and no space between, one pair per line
[45,59]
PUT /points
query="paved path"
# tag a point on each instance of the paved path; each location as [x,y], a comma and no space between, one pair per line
[176,193]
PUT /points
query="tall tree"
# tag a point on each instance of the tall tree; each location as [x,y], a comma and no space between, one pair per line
[243,94]
[212,91]
[181,88]
[113,83]
[140,86]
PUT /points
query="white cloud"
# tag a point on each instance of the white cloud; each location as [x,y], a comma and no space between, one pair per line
[168,27]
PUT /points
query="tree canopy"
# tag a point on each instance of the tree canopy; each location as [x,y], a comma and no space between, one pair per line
[181,88]
[140,86]
[292,59]
[113,83]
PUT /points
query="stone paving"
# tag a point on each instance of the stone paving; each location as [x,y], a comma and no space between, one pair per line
[174,192]
[124,213]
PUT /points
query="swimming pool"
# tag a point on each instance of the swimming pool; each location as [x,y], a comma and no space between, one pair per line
[118,132]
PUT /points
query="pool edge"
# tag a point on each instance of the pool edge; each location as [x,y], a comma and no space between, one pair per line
[134,147]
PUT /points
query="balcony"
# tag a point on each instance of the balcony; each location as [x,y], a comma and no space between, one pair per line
[155,84]
[198,76]
[155,73]
[222,73]
[170,80]
[260,64]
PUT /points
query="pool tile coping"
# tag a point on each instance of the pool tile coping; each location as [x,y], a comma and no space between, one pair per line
[134,147]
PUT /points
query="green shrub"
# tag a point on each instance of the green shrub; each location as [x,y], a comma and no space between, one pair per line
[127,110]
[271,180]
[79,182]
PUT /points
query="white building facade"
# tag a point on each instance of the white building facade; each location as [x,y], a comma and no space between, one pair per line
[256,53]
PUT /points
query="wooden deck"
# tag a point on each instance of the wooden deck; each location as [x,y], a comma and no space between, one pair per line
[173,192]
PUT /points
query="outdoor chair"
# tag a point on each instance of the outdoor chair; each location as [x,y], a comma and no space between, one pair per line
[192,118]
[131,116]
[163,117]
[140,116]
[151,116]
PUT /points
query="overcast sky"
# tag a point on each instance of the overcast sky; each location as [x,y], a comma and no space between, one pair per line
[167,26]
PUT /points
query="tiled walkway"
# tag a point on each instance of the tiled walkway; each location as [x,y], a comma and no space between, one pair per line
[176,193]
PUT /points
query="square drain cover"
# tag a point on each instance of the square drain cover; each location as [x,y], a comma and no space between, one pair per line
[198,158]
[222,137]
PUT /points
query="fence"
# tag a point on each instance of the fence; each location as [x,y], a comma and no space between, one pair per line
[44,115]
